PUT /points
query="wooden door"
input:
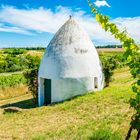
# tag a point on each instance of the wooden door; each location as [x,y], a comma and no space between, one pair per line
[47,91]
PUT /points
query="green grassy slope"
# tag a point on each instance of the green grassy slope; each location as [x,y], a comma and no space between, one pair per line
[103,115]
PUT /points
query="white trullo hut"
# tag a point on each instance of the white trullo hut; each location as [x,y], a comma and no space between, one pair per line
[70,66]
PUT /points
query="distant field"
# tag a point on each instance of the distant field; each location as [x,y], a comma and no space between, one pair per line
[99,50]
[40,53]
[35,53]
[110,49]
[103,115]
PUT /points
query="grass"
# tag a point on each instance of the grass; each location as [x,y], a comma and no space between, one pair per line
[103,115]
[12,85]
[14,91]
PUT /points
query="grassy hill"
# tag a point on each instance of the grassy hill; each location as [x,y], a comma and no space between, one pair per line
[103,115]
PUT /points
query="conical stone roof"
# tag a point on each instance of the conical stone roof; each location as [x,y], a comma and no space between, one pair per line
[70,54]
[69,33]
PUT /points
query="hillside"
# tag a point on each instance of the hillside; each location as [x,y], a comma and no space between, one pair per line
[103,115]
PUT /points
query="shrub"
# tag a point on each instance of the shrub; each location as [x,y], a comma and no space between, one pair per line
[33,61]
[32,81]
[108,65]
[12,63]
[12,80]
[3,65]
[111,61]
[14,51]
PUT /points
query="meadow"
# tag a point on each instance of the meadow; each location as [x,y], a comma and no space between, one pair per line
[103,115]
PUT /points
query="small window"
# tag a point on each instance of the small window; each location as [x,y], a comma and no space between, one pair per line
[95,82]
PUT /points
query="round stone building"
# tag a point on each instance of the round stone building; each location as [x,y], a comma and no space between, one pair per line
[70,66]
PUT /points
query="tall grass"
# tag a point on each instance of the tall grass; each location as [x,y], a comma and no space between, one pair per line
[11,92]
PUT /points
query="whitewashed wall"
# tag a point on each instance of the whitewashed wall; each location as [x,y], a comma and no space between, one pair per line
[63,89]
[40,91]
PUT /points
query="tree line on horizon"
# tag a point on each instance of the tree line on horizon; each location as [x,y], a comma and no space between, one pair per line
[43,48]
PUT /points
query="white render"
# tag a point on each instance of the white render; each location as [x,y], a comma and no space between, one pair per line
[71,62]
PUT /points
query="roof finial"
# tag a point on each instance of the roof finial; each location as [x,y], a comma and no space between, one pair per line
[70,16]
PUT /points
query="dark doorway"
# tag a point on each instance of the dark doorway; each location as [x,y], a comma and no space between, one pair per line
[47,91]
[95,82]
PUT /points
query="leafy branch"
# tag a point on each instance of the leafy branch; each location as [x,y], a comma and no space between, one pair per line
[132,55]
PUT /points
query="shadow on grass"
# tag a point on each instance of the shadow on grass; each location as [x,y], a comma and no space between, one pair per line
[25,104]
[70,99]
[29,103]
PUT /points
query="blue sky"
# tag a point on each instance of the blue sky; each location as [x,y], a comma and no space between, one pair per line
[34,22]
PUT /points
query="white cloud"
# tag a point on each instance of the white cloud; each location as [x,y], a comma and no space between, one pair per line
[4,28]
[100,3]
[132,25]
[41,20]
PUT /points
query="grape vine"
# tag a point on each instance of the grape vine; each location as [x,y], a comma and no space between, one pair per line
[132,55]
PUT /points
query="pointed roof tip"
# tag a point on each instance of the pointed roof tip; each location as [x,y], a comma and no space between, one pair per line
[70,16]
